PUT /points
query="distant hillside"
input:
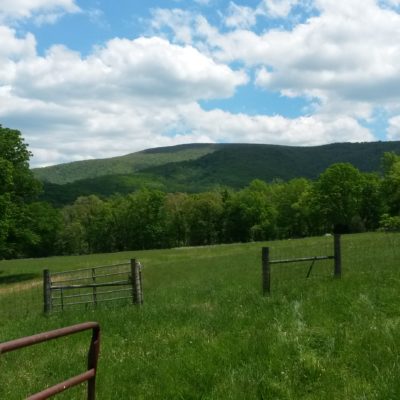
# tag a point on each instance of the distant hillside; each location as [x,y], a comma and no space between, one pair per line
[128,164]
[237,164]
[194,168]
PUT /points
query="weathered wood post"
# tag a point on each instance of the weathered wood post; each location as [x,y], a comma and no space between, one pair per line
[337,256]
[46,291]
[94,287]
[136,282]
[266,271]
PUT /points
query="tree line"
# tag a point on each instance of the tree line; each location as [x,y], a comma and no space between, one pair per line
[342,200]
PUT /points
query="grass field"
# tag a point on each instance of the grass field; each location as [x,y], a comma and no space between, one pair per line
[205,331]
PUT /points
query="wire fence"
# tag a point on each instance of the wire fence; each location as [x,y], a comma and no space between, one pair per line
[371,255]
[17,300]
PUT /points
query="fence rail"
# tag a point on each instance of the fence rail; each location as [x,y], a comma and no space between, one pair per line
[93,355]
[70,288]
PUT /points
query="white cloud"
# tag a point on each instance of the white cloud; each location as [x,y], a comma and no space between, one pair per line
[179,21]
[394,128]
[240,16]
[391,3]
[337,57]
[13,47]
[301,131]
[42,10]
[276,8]
[65,133]
[347,54]
[140,70]
[128,95]
[70,107]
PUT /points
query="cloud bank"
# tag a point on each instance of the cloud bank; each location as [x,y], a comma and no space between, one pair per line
[127,94]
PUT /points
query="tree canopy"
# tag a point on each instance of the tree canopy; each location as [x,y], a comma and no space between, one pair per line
[342,199]
[18,188]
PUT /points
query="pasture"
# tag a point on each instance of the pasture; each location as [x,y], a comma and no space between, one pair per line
[206,332]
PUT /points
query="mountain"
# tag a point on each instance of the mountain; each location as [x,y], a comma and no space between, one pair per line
[198,167]
[128,164]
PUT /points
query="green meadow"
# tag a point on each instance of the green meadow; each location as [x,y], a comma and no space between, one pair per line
[206,332]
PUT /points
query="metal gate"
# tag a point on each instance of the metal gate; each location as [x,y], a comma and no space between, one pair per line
[93,354]
[91,286]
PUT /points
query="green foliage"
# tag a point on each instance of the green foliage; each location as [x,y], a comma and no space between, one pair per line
[176,224]
[251,213]
[199,168]
[338,191]
[292,209]
[105,186]
[128,164]
[203,214]
[391,182]
[390,224]
[342,199]
[388,160]
[86,227]
[142,219]
[126,212]
[17,189]
[372,204]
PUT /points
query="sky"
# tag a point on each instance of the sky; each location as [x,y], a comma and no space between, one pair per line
[84,79]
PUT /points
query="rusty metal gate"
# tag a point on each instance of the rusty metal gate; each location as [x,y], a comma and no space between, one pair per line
[91,286]
[93,354]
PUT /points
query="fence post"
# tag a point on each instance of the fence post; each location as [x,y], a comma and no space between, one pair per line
[46,291]
[266,271]
[136,282]
[93,356]
[338,256]
[94,287]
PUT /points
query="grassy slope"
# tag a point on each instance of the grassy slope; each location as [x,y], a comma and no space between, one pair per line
[205,332]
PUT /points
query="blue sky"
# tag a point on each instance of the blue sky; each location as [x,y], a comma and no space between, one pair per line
[94,79]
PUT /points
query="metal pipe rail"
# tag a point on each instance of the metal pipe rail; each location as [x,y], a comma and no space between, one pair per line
[293,260]
[92,285]
[87,278]
[89,269]
[71,296]
[93,355]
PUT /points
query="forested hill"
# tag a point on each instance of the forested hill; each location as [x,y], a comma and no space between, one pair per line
[128,164]
[199,167]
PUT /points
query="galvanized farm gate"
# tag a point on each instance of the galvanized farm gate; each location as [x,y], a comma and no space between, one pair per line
[267,262]
[89,376]
[91,286]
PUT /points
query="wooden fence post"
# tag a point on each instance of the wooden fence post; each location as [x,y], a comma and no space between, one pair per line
[266,272]
[94,287]
[46,291]
[338,256]
[136,282]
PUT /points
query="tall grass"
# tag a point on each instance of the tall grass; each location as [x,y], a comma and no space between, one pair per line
[205,331]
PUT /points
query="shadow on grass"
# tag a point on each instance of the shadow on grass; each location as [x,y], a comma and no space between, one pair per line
[16,278]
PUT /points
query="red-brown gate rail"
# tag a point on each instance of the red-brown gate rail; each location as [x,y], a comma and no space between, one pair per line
[93,355]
